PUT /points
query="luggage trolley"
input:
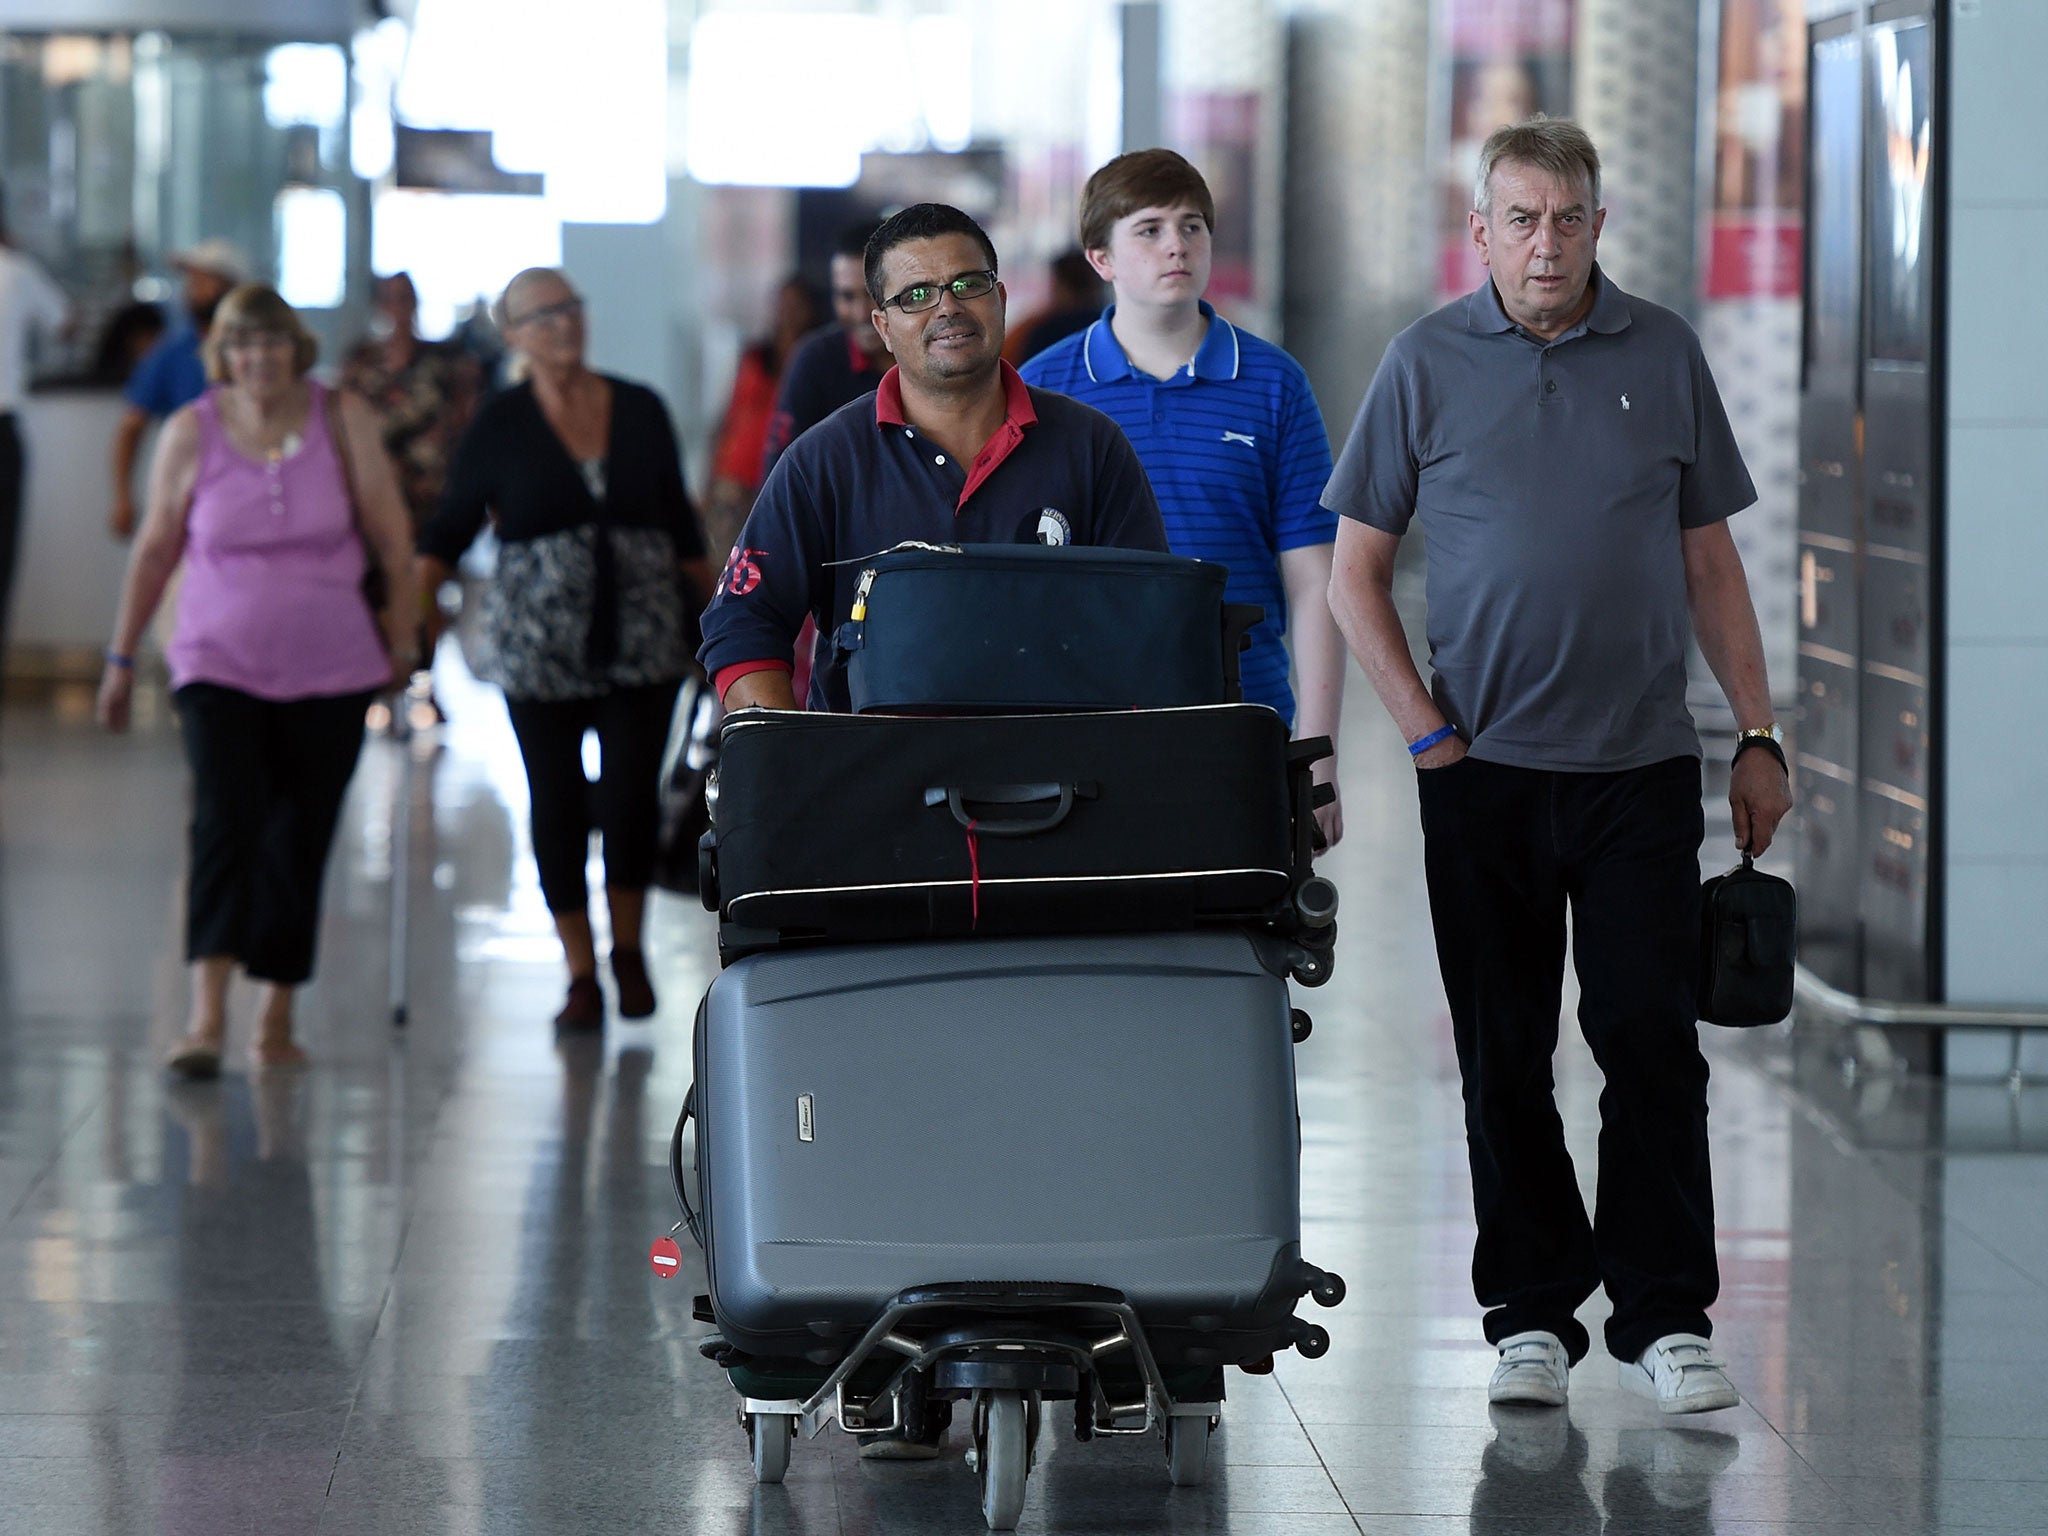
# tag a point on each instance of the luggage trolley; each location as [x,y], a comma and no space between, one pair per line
[810,1338]
[878,1319]
[1056,928]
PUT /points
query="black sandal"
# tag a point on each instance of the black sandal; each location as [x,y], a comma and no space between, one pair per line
[636,990]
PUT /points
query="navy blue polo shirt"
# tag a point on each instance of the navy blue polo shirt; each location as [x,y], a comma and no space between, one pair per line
[827,369]
[1236,452]
[864,480]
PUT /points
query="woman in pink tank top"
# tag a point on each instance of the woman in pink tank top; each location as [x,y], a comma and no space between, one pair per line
[268,491]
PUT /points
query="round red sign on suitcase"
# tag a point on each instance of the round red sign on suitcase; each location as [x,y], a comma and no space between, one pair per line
[666,1258]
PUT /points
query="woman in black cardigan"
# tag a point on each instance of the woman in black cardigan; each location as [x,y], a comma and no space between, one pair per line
[584,623]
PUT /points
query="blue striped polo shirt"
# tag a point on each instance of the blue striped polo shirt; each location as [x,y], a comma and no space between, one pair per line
[1236,452]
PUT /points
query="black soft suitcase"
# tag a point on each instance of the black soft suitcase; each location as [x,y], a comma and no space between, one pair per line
[850,828]
[1007,628]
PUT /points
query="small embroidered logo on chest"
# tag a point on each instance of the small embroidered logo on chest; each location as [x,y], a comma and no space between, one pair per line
[1053,528]
[1624,402]
[1241,437]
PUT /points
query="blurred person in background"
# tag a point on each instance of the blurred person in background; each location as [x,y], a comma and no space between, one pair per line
[833,365]
[743,435]
[477,337]
[584,621]
[31,304]
[830,368]
[268,489]
[128,336]
[171,374]
[424,394]
[1077,298]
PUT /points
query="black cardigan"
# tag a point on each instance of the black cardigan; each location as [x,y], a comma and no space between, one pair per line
[511,464]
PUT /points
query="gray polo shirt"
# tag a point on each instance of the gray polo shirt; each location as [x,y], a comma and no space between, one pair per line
[1552,480]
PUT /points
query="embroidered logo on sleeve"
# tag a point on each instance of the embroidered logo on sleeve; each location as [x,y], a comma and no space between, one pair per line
[1241,437]
[742,571]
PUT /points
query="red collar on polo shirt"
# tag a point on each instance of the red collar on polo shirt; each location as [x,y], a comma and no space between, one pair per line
[1018,414]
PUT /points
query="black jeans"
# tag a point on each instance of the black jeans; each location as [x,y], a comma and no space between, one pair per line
[632,728]
[1506,850]
[267,785]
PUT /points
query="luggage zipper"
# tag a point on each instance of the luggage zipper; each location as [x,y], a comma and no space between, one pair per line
[867,577]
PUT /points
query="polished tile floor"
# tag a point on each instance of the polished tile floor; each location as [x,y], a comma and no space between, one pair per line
[406,1291]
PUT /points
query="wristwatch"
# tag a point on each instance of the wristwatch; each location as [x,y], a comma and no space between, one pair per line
[1769,737]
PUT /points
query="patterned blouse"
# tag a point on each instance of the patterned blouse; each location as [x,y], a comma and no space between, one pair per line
[588,595]
[424,407]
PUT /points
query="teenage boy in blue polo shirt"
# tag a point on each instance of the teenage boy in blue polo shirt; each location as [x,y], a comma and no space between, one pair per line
[1225,424]
[952,447]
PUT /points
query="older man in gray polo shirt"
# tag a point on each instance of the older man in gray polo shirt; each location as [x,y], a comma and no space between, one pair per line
[1565,450]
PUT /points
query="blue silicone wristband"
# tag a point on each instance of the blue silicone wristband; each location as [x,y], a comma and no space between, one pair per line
[1417,748]
[115,658]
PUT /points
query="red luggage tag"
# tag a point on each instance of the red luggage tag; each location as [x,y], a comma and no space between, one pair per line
[974,870]
[666,1258]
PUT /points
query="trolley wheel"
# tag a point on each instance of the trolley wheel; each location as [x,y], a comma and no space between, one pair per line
[1187,1450]
[770,1436]
[1005,1457]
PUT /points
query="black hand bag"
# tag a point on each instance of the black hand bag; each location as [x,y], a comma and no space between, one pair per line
[1004,629]
[691,754]
[1749,926]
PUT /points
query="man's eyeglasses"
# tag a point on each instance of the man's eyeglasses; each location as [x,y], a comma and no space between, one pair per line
[567,309]
[919,297]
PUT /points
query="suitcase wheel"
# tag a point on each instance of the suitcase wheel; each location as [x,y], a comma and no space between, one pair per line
[1311,1340]
[1187,1449]
[1002,1438]
[769,1436]
[1310,967]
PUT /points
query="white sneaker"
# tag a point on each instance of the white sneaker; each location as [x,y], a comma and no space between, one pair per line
[1679,1375]
[1533,1369]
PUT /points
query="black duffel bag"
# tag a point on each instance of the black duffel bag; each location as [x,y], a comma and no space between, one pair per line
[1749,940]
[1003,629]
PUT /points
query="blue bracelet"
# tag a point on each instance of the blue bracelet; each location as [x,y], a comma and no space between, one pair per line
[116,659]
[1417,748]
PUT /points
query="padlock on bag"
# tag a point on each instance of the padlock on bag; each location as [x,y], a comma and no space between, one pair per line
[1749,941]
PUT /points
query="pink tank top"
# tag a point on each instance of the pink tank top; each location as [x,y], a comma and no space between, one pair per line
[272,602]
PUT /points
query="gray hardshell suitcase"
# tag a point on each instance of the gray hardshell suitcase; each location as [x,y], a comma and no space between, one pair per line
[1107,1110]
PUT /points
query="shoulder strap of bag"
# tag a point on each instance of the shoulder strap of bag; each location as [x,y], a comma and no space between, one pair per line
[330,403]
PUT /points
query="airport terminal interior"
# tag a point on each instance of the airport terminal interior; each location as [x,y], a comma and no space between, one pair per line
[405,1288]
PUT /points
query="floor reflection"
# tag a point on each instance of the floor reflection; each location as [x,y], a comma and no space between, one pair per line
[406,1290]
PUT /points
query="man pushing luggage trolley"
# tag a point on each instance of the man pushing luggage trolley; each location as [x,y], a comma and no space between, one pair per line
[1070,929]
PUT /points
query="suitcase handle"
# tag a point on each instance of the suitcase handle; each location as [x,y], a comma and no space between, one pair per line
[675,1166]
[956,800]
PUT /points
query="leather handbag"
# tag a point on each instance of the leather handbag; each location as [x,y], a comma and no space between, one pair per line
[687,765]
[1749,939]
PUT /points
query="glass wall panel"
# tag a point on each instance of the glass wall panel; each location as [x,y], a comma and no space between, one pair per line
[119,150]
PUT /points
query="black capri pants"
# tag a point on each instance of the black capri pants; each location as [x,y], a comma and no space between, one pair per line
[268,779]
[632,728]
